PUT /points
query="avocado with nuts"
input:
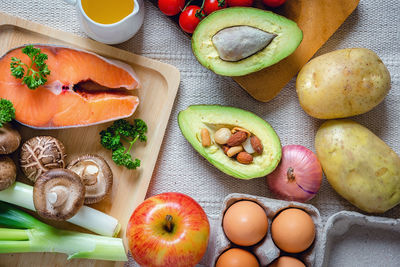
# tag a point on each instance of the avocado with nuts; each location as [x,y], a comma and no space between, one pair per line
[236,141]
[240,40]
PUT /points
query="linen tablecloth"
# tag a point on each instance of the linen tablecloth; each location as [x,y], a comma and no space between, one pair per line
[375,24]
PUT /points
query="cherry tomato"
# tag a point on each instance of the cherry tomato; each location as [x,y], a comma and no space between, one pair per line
[274,3]
[171,7]
[213,5]
[190,17]
[240,2]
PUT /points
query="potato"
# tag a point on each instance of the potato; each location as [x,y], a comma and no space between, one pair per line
[359,165]
[342,83]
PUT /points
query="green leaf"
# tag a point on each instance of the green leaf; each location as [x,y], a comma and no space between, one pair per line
[36,72]
[7,111]
[124,158]
[141,128]
[12,217]
[45,71]
[16,68]
[110,140]
[112,137]
[31,51]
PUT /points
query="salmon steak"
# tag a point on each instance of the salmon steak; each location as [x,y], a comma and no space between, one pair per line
[82,89]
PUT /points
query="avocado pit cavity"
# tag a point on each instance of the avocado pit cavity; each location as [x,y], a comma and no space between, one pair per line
[239,42]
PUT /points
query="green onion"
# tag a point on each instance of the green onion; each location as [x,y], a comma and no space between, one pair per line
[96,221]
[25,233]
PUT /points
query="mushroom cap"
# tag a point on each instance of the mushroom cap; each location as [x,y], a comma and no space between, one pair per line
[96,175]
[8,172]
[58,194]
[10,139]
[40,154]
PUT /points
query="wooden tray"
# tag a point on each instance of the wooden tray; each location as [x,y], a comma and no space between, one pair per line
[318,19]
[159,87]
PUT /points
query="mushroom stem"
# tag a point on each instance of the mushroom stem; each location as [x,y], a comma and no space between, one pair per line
[52,197]
[169,225]
[90,174]
[57,196]
[95,174]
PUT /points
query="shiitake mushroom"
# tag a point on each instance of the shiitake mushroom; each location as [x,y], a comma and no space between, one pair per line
[95,174]
[58,194]
[10,139]
[8,172]
[40,154]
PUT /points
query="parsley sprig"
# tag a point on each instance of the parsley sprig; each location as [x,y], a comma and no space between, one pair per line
[120,131]
[36,72]
[7,111]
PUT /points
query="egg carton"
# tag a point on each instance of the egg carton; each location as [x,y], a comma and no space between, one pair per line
[354,239]
[266,251]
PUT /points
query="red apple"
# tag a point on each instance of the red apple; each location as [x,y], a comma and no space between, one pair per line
[169,230]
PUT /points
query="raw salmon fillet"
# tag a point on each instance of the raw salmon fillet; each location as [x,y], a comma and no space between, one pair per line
[82,89]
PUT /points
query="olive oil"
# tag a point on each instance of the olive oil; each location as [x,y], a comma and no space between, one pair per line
[107,11]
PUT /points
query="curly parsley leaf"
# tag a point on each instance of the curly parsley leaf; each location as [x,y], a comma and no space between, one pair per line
[119,131]
[36,73]
[121,157]
[7,111]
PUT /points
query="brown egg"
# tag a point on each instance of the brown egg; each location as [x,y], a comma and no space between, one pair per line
[236,257]
[245,223]
[286,261]
[293,230]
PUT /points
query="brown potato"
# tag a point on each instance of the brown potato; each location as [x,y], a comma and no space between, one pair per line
[342,83]
[359,165]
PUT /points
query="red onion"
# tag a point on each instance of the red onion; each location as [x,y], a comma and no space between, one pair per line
[298,176]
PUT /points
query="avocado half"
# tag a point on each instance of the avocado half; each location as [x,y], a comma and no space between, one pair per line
[213,117]
[284,37]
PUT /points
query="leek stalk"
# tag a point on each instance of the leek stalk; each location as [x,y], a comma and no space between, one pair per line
[25,233]
[96,221]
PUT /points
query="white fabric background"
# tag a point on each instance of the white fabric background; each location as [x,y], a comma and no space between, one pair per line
[375,24]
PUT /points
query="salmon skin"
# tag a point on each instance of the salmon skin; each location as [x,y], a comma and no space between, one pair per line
[82,89]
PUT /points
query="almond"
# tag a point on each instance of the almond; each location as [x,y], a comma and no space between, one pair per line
[238,129]
[237,138]
[205,137]
[244,158]
[256,144]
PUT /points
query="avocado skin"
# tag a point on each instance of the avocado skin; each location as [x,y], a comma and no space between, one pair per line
[192,119]
[289,37]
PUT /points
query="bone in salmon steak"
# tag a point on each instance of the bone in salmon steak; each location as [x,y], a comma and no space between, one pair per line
[82,89]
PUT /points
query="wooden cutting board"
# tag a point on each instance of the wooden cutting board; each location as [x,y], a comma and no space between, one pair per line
[160,83]
[318,19]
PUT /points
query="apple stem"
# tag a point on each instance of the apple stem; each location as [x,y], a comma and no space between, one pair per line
[290,174]
[168,226]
